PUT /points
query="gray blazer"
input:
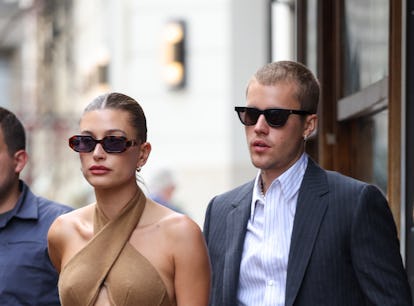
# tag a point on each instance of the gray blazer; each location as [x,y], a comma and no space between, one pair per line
[344,247]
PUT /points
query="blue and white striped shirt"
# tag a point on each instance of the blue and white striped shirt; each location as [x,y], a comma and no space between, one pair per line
[265,255]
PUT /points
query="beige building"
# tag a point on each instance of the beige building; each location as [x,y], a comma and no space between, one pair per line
[83,48]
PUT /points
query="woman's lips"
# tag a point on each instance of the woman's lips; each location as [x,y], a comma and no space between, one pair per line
[99,170]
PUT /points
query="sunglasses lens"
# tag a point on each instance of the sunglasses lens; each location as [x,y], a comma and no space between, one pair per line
[276,117]
[82,143]
[114,144]
[248,116]
[251,116]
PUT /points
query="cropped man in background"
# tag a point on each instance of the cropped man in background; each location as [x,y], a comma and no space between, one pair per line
[27,276]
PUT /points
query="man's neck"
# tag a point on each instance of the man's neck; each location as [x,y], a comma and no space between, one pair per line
[8,199]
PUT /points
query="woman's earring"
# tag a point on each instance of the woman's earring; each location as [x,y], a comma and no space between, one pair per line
[138,169]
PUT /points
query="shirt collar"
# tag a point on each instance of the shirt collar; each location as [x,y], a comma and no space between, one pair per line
[258,197]
[289,181]
[28,211]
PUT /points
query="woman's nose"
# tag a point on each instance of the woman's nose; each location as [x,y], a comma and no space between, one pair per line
[98,151]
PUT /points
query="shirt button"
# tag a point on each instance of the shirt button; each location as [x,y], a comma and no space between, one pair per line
[270,282]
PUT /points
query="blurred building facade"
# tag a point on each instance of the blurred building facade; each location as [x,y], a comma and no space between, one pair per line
[67,52]
[55,56]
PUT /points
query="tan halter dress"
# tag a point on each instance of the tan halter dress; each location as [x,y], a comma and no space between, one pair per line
[109,261]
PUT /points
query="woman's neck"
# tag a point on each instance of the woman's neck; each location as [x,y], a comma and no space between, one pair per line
[112,201]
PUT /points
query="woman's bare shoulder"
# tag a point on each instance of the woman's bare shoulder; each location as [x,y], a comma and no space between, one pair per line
[173,225]
[180,226]
[186,242]
[76,220]
[68,233]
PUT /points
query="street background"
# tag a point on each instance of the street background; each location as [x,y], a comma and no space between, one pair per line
[55,56]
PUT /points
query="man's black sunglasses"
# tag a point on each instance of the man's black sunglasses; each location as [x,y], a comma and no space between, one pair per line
[111,144]
[275,117]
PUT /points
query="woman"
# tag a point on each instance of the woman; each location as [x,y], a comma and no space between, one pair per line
[125,249]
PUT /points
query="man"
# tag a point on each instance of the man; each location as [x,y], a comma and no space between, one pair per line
[27,276]
[298,234]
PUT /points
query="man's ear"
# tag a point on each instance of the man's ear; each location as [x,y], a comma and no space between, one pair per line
[20,160]
[311,124]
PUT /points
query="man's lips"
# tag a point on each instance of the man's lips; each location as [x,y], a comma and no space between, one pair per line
[99,169]
[259,146]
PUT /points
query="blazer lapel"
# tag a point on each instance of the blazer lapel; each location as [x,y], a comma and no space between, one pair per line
[236,231]
[310,210]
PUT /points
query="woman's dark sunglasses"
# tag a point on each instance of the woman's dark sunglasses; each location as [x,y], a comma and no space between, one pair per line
[111,144]
[275,117]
